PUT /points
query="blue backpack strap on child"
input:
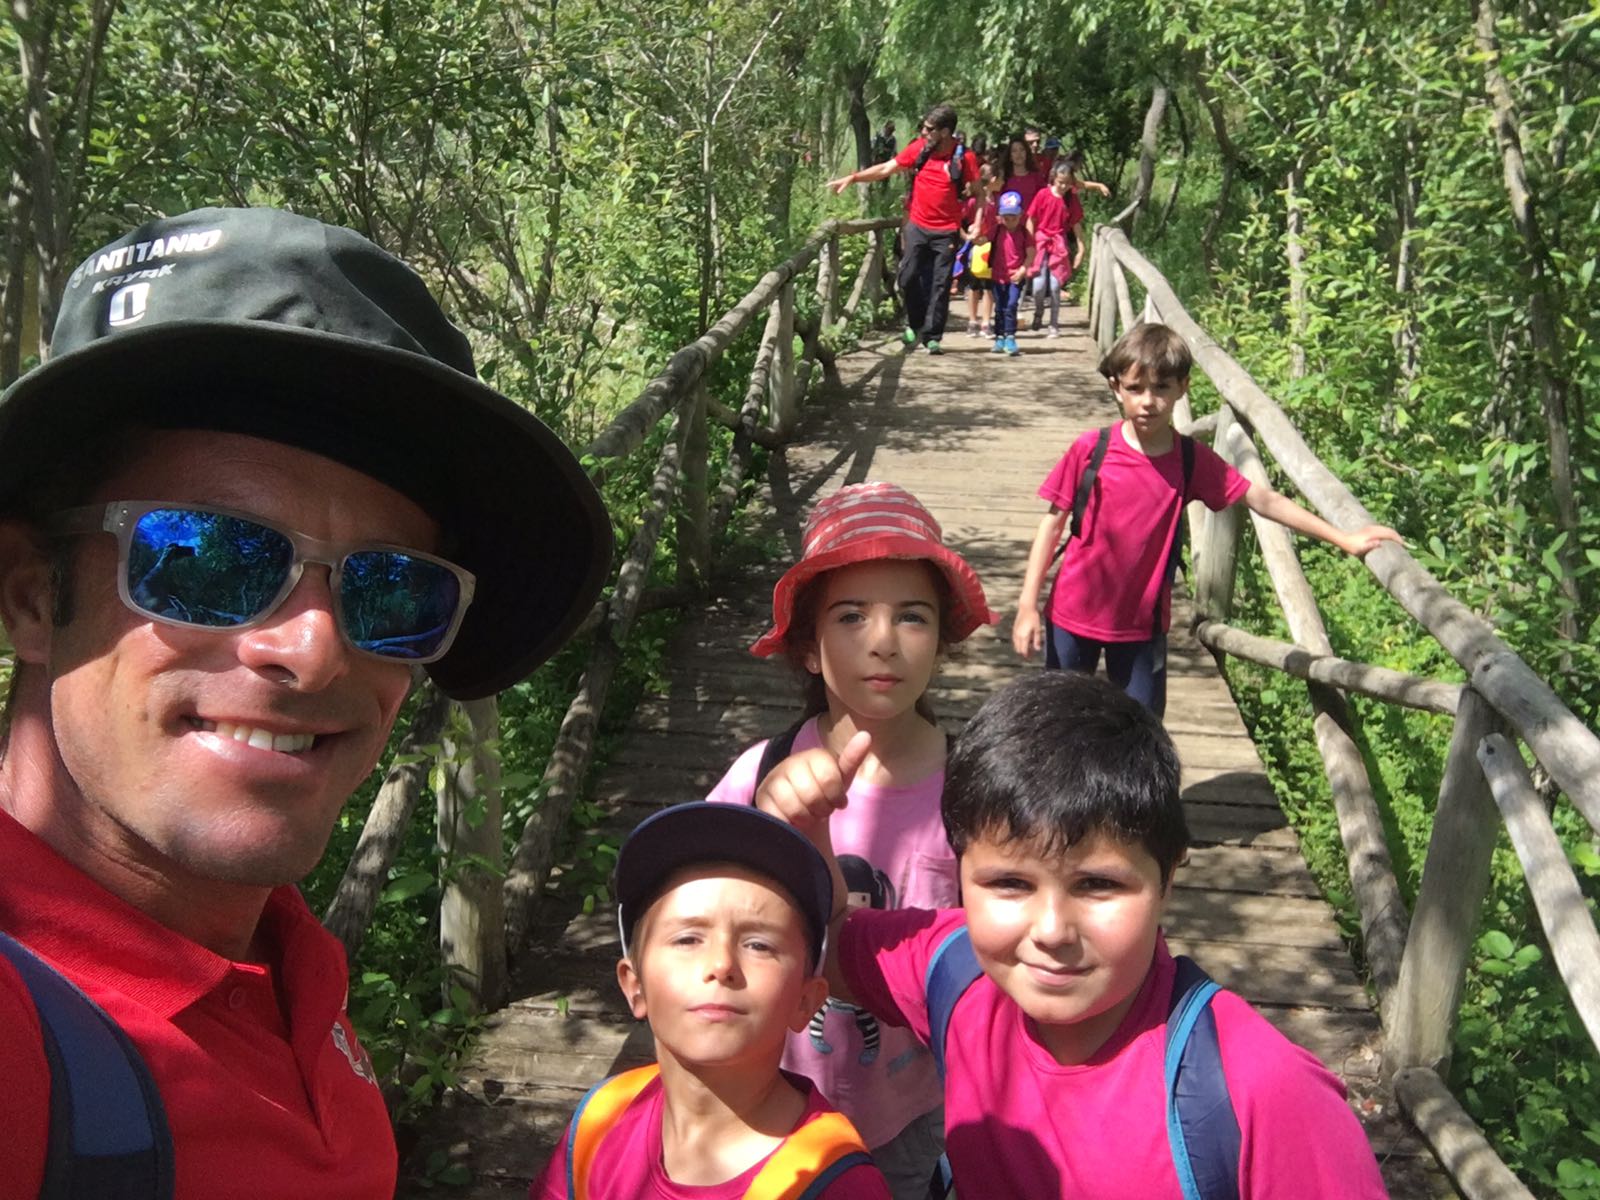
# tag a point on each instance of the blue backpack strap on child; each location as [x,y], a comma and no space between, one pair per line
[1202,1130]
[108,1136]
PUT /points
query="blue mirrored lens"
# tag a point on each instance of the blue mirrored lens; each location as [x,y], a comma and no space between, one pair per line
[204,568]
[396,604]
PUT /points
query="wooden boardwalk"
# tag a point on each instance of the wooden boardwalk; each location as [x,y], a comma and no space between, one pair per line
[971,434]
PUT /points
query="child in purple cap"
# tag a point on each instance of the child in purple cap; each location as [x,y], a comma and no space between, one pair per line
[1008,261]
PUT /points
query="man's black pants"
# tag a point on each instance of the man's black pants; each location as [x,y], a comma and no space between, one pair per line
[925,266]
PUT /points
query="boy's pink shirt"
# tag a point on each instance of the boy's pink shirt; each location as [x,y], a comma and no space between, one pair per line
[1009,253]
[1017,1123]
[1114,575]
[628,1164]
[899,832]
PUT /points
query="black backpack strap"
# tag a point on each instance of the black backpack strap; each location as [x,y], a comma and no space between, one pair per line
[108,1128]
[1080,498]
[1202,1129]
[825,1177]
[774,752]
[1180,534]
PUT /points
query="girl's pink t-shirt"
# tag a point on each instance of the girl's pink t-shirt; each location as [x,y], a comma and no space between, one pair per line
[1026,185]
[1113,578]
[1018,1123]
[890,841]
[1008,256]
[628,1164]
[1052,216]
[989,221]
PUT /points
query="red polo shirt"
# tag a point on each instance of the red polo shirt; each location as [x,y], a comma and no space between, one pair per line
[267,1092]
[935,202]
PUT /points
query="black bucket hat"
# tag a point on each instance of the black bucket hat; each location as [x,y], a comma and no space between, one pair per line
[257,321]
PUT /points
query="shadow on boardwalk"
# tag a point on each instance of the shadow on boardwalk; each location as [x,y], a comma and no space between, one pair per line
[971,434]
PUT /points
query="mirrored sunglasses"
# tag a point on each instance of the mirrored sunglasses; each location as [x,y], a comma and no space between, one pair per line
[215,568]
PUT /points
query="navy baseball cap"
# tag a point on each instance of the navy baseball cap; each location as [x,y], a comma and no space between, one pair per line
[261,322]
[689,835]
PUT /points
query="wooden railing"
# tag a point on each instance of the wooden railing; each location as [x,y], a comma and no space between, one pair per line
[1418,960]
[486,910]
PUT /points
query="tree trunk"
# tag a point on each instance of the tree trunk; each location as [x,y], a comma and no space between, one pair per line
[1230,166]
[1543,315]
[1149,153]
[1177,178]
[860,125]
[555,185]
[1295,251]
[13,284]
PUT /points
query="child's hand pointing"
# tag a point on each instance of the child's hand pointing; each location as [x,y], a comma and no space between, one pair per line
[805,788]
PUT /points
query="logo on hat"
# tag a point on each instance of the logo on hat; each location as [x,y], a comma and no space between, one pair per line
[127,305]
[1011,204]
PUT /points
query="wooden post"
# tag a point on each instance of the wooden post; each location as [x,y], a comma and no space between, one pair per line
[1091,289]
[1216,549]
[1455,1138]
[828,280]
[877,243]
[1106,305]
[1455,879]
[784,407]
[694,539]
[1119,280]
[472,909]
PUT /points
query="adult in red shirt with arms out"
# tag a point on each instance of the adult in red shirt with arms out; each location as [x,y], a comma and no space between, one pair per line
[946,175]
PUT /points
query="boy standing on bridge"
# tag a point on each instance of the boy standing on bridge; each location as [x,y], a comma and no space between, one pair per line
[1124,488]
[1080,1057]
[945,174]
[723,912]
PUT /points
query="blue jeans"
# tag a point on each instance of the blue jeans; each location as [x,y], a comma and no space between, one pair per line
[1007,296]
[1138,668]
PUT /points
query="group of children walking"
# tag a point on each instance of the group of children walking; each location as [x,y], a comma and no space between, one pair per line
[882,963]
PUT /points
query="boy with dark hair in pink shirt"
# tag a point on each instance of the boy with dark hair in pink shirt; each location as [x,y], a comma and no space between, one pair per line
[1113,592]
[1061,801]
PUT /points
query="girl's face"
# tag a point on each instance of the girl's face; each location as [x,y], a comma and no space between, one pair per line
[1019,154]
[877,637]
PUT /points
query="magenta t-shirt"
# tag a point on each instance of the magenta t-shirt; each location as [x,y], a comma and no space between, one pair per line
[1113,577]
[1052,217]
[1027,185]
[1018,1123]
[1008,254]
[628,1165]
[892,848]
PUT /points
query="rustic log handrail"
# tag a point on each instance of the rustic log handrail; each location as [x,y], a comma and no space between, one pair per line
[1419,961]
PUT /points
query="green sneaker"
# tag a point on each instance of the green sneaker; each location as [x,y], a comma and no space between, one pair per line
[909,337]
[933,346]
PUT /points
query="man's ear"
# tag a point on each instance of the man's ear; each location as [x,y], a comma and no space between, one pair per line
[812,996]
[632,989]
[27,591]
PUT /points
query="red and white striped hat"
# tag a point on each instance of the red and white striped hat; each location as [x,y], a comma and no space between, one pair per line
[868,521]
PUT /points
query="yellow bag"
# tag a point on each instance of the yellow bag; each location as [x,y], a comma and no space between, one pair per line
[980,259]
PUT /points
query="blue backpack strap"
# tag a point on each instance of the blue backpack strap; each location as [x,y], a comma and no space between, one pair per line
[1202,1130]
[951,971]
[108,1128]
[819,1185]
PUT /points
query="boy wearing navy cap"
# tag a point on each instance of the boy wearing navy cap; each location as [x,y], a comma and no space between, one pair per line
[723,913]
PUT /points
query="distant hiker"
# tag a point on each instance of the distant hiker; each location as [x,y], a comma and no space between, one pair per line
[884,145]
[945,175]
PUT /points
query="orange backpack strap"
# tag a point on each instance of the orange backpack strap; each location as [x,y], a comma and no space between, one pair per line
[810,1158]
[597,1114]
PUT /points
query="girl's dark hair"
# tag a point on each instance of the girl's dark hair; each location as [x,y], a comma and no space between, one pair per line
[802,636]
[1029,166]
[1056,756]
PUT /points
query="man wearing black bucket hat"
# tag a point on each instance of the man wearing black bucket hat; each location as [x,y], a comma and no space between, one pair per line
[255,489]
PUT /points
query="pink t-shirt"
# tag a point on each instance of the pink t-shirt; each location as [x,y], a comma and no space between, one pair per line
[1027,185]
[891,842]
[990,219]
[1018,1123]
[628,1164]
[1008,256]
[1052,216]
[1113,577]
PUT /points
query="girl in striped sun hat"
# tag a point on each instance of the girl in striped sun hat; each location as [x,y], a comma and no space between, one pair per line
[865,616]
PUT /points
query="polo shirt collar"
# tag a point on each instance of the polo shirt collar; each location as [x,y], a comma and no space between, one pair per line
[100,939]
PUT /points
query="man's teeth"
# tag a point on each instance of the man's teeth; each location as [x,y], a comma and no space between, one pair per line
[261,739]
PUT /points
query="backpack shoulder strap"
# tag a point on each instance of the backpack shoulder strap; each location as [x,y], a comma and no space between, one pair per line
[597,1113]
[809,1160]
[108,1128]
[1180,534]
[922,159]
[951,971]
[1202,1130]
[775,751]
[956,160]
[1080,498]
